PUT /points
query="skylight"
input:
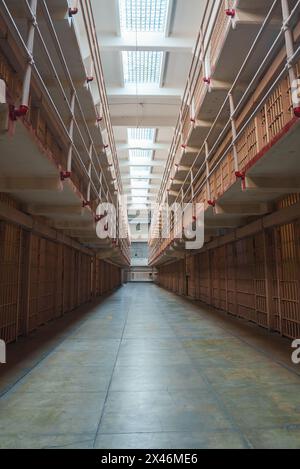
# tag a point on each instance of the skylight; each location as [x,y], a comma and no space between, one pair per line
[143,15]
[142,67]
[140,171]
[141,134]
[140,183]
[139,200]
[137,155]
[139,192]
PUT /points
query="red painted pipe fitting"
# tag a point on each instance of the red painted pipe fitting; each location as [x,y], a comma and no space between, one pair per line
[212,203]
[297,111]
[193,120]
[207,80]
[65,175]
[89,79]
[184,146]
[240,174]
[21,111]
[230,12]
[99,119]
[73,11]
[85,203]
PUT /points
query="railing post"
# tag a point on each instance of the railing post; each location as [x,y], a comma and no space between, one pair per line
[234,135]
[289,44]
[71,132]
[192,184]
[88,195]
[28,72]
[209,199]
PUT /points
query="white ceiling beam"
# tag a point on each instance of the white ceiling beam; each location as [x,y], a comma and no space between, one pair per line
[127,187]
[148,197]
[148,121]
[143,91]
[153,146]
[153,164]
[147,178]
[169,18]
[151,42]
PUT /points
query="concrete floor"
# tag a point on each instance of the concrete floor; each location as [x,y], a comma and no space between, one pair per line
[147,369]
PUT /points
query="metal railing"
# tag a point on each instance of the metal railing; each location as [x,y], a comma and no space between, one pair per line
[84,147]
[230,125]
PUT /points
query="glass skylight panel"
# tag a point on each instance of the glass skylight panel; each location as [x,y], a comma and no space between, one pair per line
[139,200]
[142,67]
[143,184]
[136,155]
[139,192]
[148,16]
[140,171]
[138,135]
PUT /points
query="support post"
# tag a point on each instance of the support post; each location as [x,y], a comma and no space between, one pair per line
[209,199]
[71,133]
[234,135]
[289,44]
[28,72]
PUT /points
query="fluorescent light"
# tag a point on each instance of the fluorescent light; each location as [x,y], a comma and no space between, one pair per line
[142,67]
[148,16]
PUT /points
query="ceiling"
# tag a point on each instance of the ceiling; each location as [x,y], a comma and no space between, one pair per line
[146,49]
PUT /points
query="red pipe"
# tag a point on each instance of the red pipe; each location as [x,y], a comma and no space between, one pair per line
[230,12]
[297,111]
[21,111]
[65,175]
[73,11]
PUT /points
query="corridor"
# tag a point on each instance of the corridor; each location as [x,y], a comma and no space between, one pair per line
[145,368]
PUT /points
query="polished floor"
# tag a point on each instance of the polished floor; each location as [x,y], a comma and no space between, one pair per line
[147,369]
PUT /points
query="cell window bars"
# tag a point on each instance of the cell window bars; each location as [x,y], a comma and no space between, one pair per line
[148,16]
[142,67]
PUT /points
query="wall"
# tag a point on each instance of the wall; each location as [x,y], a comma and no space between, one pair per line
[41,280]
[256,278]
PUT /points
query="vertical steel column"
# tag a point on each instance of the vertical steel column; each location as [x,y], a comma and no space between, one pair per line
[192,184]
[209,199]
[28,73]
[289,44]
[88,195]
[234,135]
[71,133]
